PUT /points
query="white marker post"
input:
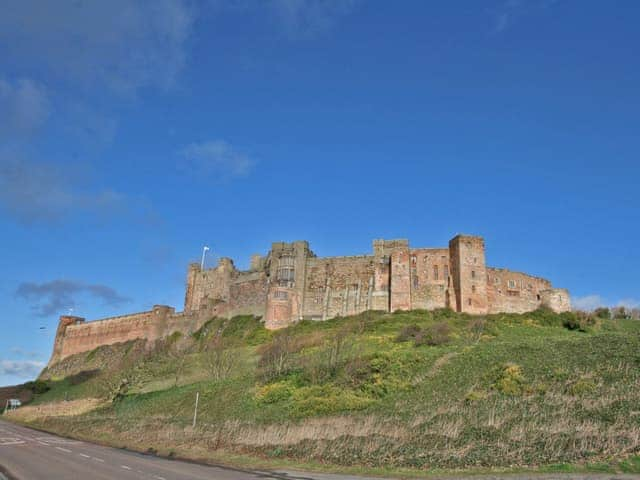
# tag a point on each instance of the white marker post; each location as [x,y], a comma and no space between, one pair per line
[195,412]
[204,251]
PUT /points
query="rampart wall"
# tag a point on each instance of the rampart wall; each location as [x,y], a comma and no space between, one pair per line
[291,283]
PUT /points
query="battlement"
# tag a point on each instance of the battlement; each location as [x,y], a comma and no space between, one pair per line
[290,283]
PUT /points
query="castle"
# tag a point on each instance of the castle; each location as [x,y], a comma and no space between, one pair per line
[291,283]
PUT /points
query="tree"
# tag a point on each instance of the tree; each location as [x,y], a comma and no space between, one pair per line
[219,360]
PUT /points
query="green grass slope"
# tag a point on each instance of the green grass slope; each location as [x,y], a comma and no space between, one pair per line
[410,390]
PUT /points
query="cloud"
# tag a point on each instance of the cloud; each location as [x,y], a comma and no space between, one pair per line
[121,44]
[25,353]
[510,11]
[629,303]
[24,106]
[22,368]
[38,191]
[593,301]
[589,302]
[56,296]
[215,158]
[308,18]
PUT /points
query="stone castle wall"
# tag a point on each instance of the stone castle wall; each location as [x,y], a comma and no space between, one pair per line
[291,283]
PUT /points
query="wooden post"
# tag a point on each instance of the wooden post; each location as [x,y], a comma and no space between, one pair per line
[195,411]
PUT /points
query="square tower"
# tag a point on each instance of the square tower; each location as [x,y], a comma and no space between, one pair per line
[469,274]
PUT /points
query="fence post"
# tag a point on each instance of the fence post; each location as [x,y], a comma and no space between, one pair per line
[195,411]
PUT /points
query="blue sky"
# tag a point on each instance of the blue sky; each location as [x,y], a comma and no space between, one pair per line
[133,133]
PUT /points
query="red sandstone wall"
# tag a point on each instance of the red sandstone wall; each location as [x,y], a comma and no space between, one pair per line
[430,278]
[514,292]
[338,286]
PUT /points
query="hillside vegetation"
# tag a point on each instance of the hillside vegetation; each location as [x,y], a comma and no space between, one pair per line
[409,390]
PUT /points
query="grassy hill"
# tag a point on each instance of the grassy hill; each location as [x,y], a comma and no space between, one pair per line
[404,392]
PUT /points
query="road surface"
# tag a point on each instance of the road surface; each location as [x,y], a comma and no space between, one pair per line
[27,454]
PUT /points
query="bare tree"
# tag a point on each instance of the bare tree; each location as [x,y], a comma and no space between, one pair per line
[219,360]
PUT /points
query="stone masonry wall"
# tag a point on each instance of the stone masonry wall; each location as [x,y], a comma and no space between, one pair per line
[338,286]
[290,283]
[514,292]
[430,278]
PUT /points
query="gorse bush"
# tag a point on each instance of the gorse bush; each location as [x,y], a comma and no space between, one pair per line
[510,380]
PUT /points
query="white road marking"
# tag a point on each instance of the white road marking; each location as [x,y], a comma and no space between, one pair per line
[63,449]
[84,455]
[159,477]
[98,459]
[11,441]
[43,443]
[125,467]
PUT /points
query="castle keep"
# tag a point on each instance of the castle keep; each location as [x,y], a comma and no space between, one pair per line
[291,283]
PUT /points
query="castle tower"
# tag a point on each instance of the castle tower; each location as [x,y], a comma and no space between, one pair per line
[287,273]
[469,274]
[192,272]
[58,344]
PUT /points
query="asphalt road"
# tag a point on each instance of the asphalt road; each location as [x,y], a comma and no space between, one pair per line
[27,454]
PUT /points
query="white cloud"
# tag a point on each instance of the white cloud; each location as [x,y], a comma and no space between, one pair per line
[215,157]
[37,191]
[21,368]
[628,303]
[593,301]
[120,44]
[24,106]
[311,17]
[589,302]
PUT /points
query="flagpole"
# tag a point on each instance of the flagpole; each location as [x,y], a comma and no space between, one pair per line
[204,250]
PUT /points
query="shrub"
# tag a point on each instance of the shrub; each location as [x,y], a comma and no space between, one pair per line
[408,332]
[219,360]
[602,312]
[510,380]
[325,363]
[437,334]
[581,321]
[275,357]
[38,387]
[476,328]
[274,392]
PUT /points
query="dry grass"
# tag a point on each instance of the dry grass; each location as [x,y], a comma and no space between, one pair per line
[31,413]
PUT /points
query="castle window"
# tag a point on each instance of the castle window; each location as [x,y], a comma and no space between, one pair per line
[280,295]
[473,274]
[435,272]
[496,280]
[446,271]
[473,288]
[469,302]
[415,282]
[538,296]
[475,260]
[511,284]
[413,259]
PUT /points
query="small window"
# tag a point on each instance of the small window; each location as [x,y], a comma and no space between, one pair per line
[435,272]
[446,271]
[280,295]
[473,288]
[469,302]
[473,274]
[512,284]
[496,280]
[475,259]
[413,259]
[538,296]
